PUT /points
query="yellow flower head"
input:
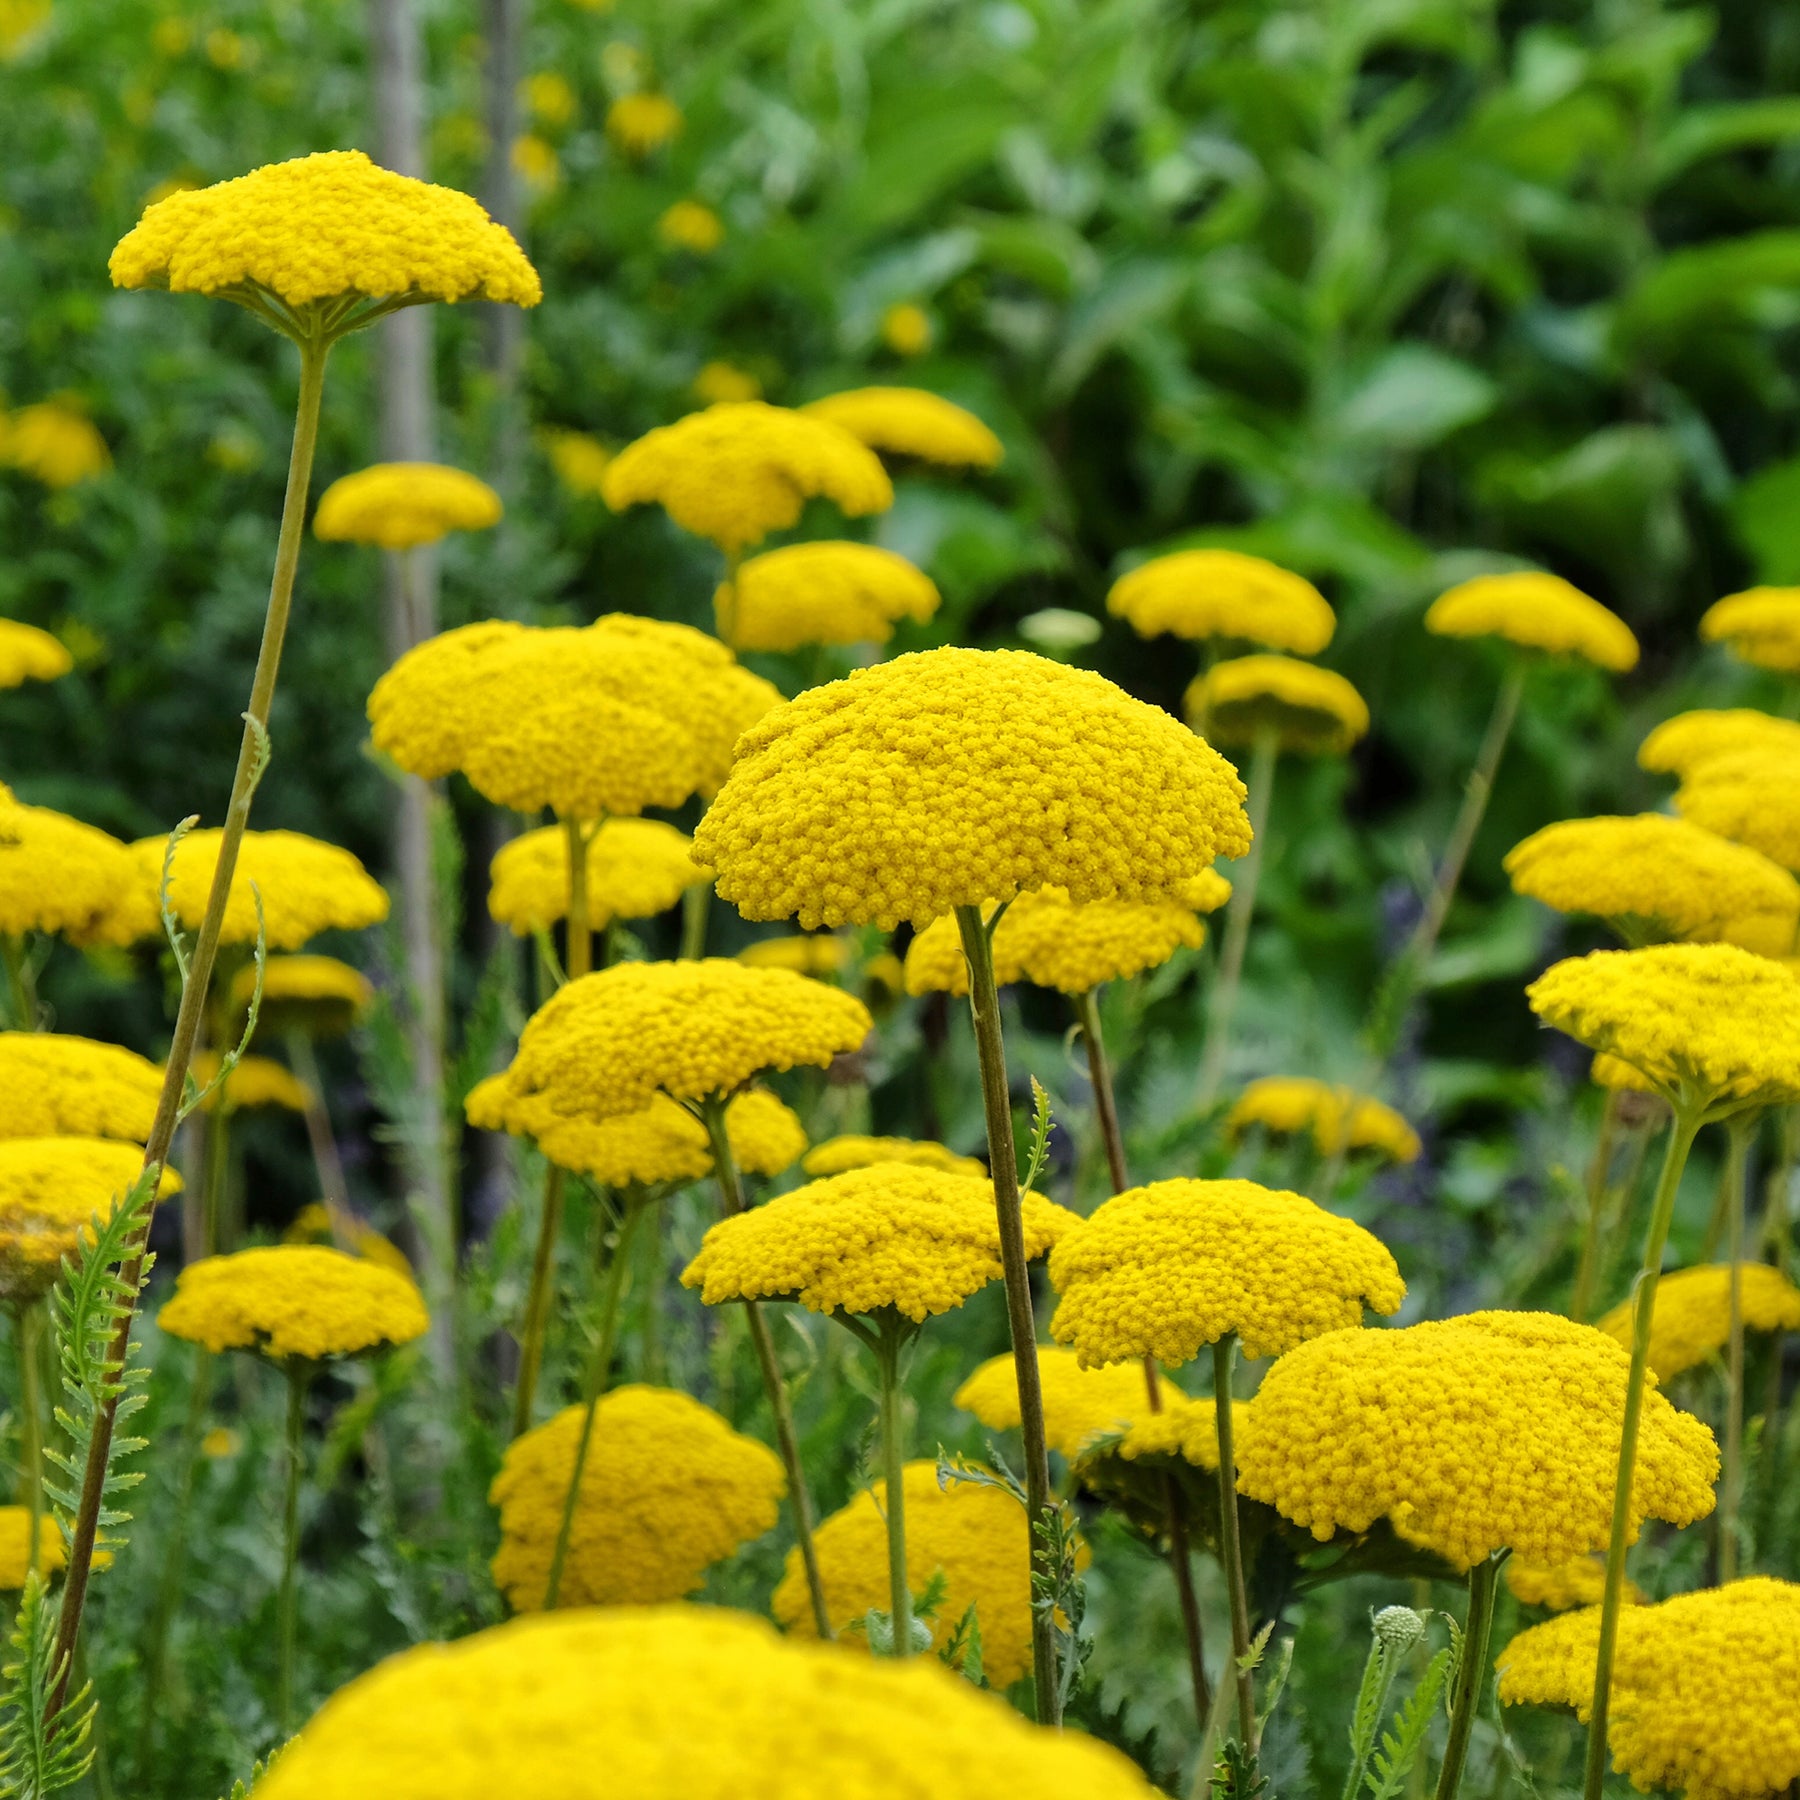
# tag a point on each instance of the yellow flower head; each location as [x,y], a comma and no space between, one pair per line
[689,1701]
[1078,1403]
[725,384]
[549,97]
[402,505]
[579,459]
[641,123]
[1471,1434]
[668,1489]
[1581,1581]
[53,443]
[1749,796]
[1164,1269]
[1185,1428]
[1618,1075]
[1224,594]
[953,777]
[254,1081]
[824,593]
[421,708]
[58,1086]
[57,874]
[838,1155]
[1286,1105]
[220,1443]
[691,225]
[906,328]
[893,1235]
[15,1547]
[299,1300]
[324,227]
[738,471]
[1310,711]
[320,1222]
[1702,1687]
[1680,745]
[1760,626]
[1692,1317]
[904,421]
[806,953]
[1706,1016]
[27,654]
[636,868]
[1537,612]
[317,996]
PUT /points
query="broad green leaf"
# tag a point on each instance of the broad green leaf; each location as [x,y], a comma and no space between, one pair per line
[1712,130]
[1408,399]
[1766,511]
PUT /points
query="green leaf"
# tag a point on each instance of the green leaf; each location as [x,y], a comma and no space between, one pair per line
[1703,131]
[1133,294]
[1410,397]
[1766,512]
[1727,282]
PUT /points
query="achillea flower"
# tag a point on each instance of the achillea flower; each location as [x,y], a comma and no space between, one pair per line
[906,329]
[254,1081]
[1079,1403]
[27,654]
[1472,1434]
[1692,1317]
[57,874]
[1703,1687]
[314,1223]
[954,777]
[1749,796]
[641,123]
[401,505]
[822,593]
[905,421]
[838,1155]
[1185,1428]
[54,443]
[315,995]
[421,708]
[15,1547]
[579,459]
[294,1300]
[57,1086]
[1537,612]
[806,953]
[1613,1072]
[895,1235]
[220,1443]
[636,868]
[1311,711]
[535,161]
[1760,626]
[1225,594]
[668,1489]
[1286,1105]
[736,472]
[549,97]
[691,225]
[1162,1270]
[1581,1581]
[1680,745]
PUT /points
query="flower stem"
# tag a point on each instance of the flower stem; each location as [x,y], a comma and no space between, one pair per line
[537,1299]
[1581,1299]
[1106,1109]
[579,958]
[1230,1540]
[21,992]
[1471,1673]
[984,1008]
[696,910]
[298,1375]
[893,1469]
[28,1339]
[217,1173]
[1740,1130]
[322,1141]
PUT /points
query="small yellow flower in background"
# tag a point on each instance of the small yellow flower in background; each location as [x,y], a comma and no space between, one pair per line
[821,593]
[1680,745]
[1581,1581]
[254,1081]
[20,23]
[1286,1105]
[1078,1403]
[1223,594]
[691,225]
[53,443]
[636,868]
[15,1531]
[1692,1317]
[838,1155]
[806,953]
[535,162]
[28,654]
[234,448]
[1537,612]
[1186,1428]
[226,50]
[317,996]
[579,459]
[1309,710]
[172,35]
[621,64]
[906,328]
[905,421]
[57,874]
[402,505]
[548,97]
[724,384]
[220,1443]
[59,1086]
[1750,796]
[642,123]
[1760,626]
[319,1222]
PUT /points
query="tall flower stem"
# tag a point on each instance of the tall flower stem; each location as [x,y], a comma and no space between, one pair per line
[215,1176]
[21,990]
[696,911]
[1106,1108]
[1471,1673]
[1231,1542]
[299,1374]
[1581,1299]
[28,1339]
[889,1341]
[984,1008]
[320,1138]
[1740,1130]
[537,1300]
[580,956]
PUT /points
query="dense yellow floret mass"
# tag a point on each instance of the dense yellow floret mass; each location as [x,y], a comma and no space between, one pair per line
[805,953]
[677,1703]
[1306,709]
[320,1222]
[1581,1581]
[1162,1270]
[15,1547]
[636,868]
[424,710]
[1184,1428]
[27,654]
[53,443]
[1750,796]
[402,505]
[1537,612]
[1692,1316]
[320,227]
[254,1081]
[57,1086]
[907,421]
[316,995]
[294,1300]
[1078,1403]
[954,777]
[1336,1119]
[1681,744]
[1224,594]
[838,1155]
[1760,626]
[1493,1430]
[668,1489]
[691,225]
[741,469]
[918,1240]
[1703,1687]
[824,593]
[1620,1076]
[57,874]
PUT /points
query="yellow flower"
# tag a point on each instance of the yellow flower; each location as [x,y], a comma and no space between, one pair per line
[1749,796]
[1078,1403]
[1703,1687]
[254,1081]
[1537,612]
[1680,745]
[425,709]
[1581,1581]
[823,593]
[320,1223]
[736,472]
[678,1703]
[1185,1428]
[691,225]
[805,953]
[1163,1270]
[1287,1105]
[220,1442]
[579,460]
[57,874]
[27,654]
[401,505]
[904,421]
[725,384]
[54,443]
[1470,1434]
[1706,1015]
[548,96]
[317,996]
[641,123]
[1223,593]
[1311,711]
[58,1086]
[224,48]
[906,328]
[15,1547]
[294,1300]
[20,22]
[1692,1317]
[838,1155]
[1760,626]
[668,1489]
[1621,1077]
[636,868]
[321,227]
[953,777]
[896,1235]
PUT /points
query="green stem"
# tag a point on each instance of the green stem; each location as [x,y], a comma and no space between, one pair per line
[1471,1673]
[320,1138]
[1181,1563]
[1106,1108]
[1731,1488]
[19,984]
[653,1356]
[893,1468]
[28,1338]
[1230,1540]
[218,1163]
[580,953]
[299,1373]
[537,1299]
[696,911]
[1581,1299]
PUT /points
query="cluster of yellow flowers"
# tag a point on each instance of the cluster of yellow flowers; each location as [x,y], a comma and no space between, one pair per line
[319,1223]
[1761,626]
[911,422]
[1749,796]
[636,868]
[57,1086]
[253,1081]
[54,443]
[821,593]
[56,874]
[1559,1587]
[1224,594]
[1684,742]
[839,1154]
[1308,711]
[318,996]
[1692,1316]
[803,953]
[1537,612]
[1078,1403]
[15,1547]
[1185,1428]
[1337,1120]
[27,654]
[402,505]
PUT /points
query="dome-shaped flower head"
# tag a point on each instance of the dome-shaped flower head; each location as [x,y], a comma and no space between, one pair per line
[838,1155]
[824,593]
[914,1240]
[1750,796]
[1560,1587]
[1703,1021]
[254,1081]
[420,711]
[317,996]
[1337,1120]
[677,1703]
[636,868]
[27,654]
[399,506]
[1224,594]
[805,953]
[1536,612]
[1471,1435]
[1692,1317]
[1760,626]
[907,421]
[1308,710]
[1680,745]
[641,123]
[1703,1687]
[954,777]
[1162,1270]
[321,1222]
[54,443]
[57,1086]
[1079,1403]
[57,874]
[667,1490]
[741,469]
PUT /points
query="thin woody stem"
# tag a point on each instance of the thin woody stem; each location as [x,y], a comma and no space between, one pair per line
[1231,1541]
[1582,1299]
[580,957]
[293,1440]
[1731,1487]
[893,1468]
[1471,1674]
[537,1299]
[1106,1108]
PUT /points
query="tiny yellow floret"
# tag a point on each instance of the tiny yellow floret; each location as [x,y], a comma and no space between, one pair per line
[822,593]
[399,506]
[1307,710]
[1224,594]
[905,421]
[1536,612]
[1692,1317]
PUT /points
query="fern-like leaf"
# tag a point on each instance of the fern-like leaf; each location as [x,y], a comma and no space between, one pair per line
[40,1754]
[1404,1740]
[1041,1124]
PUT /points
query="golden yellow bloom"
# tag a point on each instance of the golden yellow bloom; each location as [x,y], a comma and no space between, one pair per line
[1761,626]
[636,868]
[254,1081]
[916,1239]
[578,458]
[678,1703]
[421,709]
[1581,1581]
[954,777]
[641,123]
[1537,612]
[906,328]
[668,1489]
[402,505]
[1470,1434]
[57,874]
[1224,593]
[548,96]
[1681,744]
[1286,1105]
[725,384]
[1162,1270]
[27,654]
[300,1300]
[1311,711]
[15,1547]
[691,225]
[1078,1403]
[823,593]
[1749,796]
[904,421]
[57,1086]
[320,227]
[1185,1428]
[838,1155]
[220,1442]
[54,443]
[314,1223]
[315,995]
[806,953]
[736,472]
[1692,1317]
[1709,1015]
[1611,1072]
[1702,1687]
